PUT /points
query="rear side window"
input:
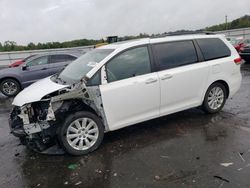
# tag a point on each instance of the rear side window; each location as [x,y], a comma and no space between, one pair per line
[175,54]
[213,48]
[61,58]
[38,61]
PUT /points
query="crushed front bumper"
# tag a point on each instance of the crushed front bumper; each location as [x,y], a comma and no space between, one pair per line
[42,142]
[16,130]
[16,124]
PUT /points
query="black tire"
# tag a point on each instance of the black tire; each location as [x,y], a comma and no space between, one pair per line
[206,107]
[14,82]
[70,119]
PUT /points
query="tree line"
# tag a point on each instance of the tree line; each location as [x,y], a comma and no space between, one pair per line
[242,22]
[13,46]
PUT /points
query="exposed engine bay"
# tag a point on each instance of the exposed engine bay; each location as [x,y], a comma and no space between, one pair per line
[37,123]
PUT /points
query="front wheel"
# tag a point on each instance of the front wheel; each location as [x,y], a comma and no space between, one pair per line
[10,87]
[215,98]
[81,133]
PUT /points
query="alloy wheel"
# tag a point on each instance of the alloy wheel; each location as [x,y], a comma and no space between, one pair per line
[82,134]
[10,88]
[215,98]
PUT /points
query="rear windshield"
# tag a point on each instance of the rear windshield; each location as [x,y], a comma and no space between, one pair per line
[213,48]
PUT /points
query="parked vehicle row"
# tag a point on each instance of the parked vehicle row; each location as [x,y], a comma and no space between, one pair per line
[13,80]
[245,53]
[122,84]
[242,46]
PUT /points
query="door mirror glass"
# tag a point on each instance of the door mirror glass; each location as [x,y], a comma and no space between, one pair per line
[61,58]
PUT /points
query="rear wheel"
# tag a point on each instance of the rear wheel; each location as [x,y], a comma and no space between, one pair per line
[215,98]
[81,133]
[10,87]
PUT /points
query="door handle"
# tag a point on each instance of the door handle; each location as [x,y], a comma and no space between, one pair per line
[151,80]
[166,77]
[44,68]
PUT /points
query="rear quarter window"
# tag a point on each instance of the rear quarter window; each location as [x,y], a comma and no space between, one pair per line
[213,48]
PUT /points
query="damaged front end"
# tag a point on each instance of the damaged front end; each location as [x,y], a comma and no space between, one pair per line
[37,124]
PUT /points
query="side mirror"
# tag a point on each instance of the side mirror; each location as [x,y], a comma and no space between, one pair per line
[24,67]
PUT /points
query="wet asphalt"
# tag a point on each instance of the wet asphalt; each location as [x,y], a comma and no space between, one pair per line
[186,149]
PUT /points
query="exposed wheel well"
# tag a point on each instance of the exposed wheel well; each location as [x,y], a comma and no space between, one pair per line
[75,105]
[225,84]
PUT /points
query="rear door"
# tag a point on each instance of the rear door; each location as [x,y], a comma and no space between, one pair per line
[58,62]
[36,69]
[182,76]
[132,92]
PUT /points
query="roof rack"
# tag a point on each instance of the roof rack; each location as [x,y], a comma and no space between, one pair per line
[185,33]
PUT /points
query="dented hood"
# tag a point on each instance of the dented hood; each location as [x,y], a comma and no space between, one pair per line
[37,91]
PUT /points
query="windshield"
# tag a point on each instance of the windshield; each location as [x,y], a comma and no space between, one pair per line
[76,70]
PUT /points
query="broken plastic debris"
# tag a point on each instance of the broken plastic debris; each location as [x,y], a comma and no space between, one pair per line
[221,184]
[239,169]
[78,183]
[98,171]
[157,177]
[240,154]
[226,164]
[221,178]
[72,166]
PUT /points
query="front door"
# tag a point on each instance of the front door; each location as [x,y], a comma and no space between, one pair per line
[132,93]
[35,69]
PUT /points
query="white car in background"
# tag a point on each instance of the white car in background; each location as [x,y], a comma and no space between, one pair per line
[122,84]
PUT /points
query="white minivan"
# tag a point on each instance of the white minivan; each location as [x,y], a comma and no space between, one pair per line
[122,84]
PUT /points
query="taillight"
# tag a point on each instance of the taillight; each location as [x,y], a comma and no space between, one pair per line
[237,61]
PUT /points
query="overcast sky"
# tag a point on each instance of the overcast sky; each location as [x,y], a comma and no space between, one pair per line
[36,21]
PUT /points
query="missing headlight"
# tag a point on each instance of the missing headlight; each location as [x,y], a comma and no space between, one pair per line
[41,109]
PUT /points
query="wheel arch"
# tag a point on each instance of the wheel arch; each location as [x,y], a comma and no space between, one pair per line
[75,105]
[224,83]
[13,78]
